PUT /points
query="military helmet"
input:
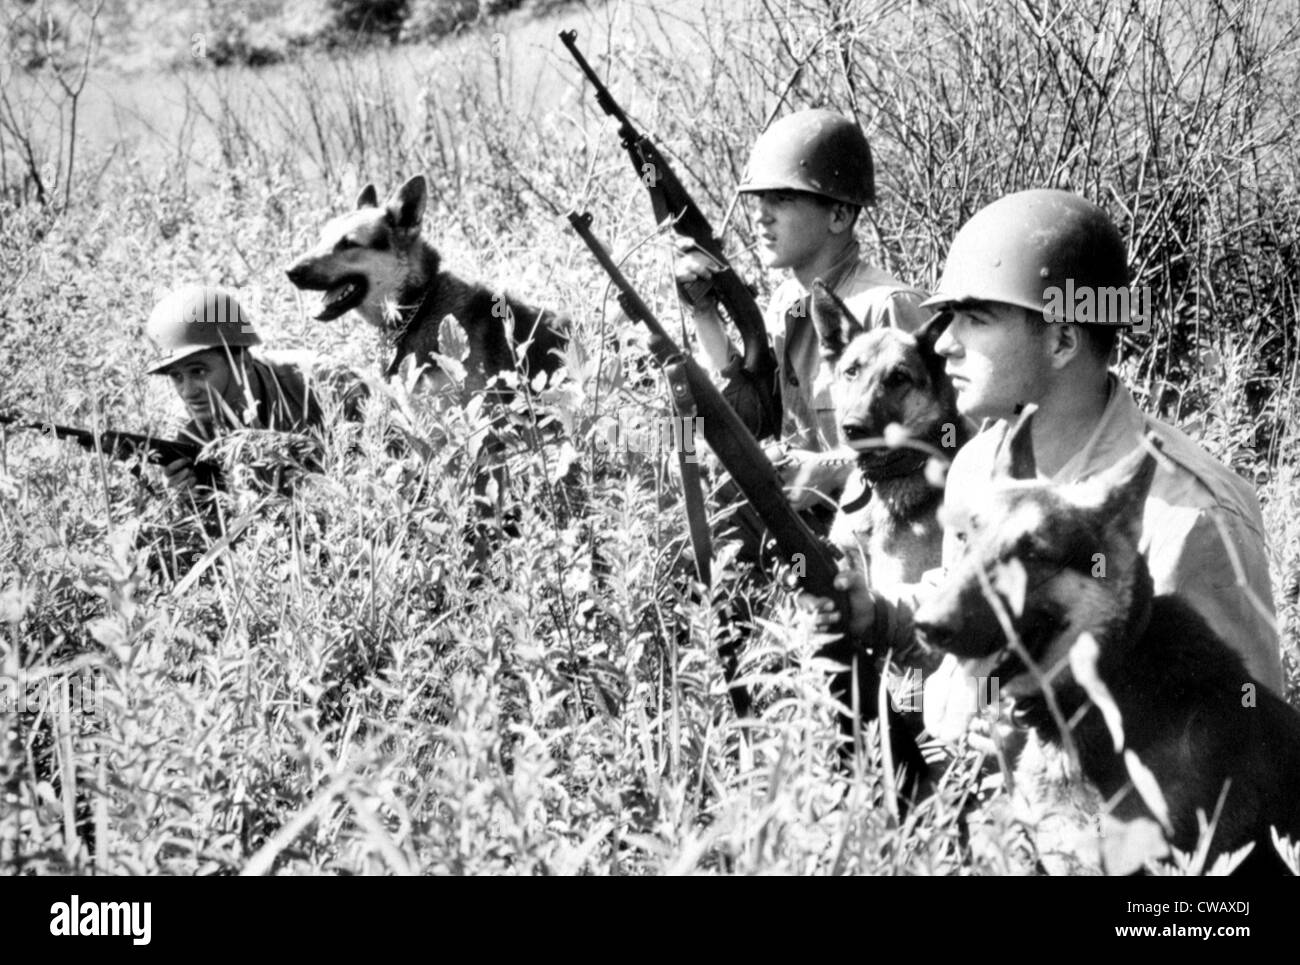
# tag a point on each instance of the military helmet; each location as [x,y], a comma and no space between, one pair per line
[194,319]
[818,151]
[1041,250]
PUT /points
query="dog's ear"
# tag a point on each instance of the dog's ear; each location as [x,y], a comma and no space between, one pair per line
[368,198]
[926,337]
[832,320]
[406,206]
[1015,456]
[1125,486]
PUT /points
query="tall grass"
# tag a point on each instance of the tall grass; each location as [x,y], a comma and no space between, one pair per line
[344,687]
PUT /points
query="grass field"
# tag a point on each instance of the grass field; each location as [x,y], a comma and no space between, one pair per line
[339,690]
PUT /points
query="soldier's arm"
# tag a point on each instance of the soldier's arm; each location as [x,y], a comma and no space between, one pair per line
[879,621]
[716,349]
[694,271]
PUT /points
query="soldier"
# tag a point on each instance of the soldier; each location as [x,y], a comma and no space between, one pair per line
[205,338]
[1031,286]
[810,174]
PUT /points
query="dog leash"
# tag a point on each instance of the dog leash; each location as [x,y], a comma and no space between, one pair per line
[697,517]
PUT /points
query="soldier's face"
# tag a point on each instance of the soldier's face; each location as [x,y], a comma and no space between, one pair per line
[793,228]
[996,356]
[203,381]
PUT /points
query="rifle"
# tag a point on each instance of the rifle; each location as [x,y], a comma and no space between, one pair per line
[126,445]
[670,200]
[740,454]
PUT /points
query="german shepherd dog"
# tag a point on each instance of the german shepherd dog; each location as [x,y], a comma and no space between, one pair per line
[888,519]
[375,261]
[1165,720]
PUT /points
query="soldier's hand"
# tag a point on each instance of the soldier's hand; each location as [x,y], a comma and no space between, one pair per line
[825,615]
[992,732]
[179,474]
[694,270]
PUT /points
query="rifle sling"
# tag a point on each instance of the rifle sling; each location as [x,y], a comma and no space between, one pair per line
[688,462]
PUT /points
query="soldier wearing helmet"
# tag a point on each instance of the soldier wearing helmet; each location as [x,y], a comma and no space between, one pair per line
[1013,339]
[204,337]
[809,175]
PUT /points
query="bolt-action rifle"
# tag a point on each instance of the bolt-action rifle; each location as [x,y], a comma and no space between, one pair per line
[671,201]
[125,445]
[812,561]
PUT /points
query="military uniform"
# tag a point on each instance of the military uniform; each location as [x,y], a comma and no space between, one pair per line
[283,395]
[277,396]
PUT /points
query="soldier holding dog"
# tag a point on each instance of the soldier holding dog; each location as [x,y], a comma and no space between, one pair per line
[1010,342]
[811,175]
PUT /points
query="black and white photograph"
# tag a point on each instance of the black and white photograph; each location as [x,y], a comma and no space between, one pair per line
[651,438]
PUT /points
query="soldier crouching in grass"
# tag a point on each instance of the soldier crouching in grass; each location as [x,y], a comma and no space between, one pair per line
[205,340]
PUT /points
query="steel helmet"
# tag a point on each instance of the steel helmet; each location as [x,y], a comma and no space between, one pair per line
[818,151]
[1040,249]
[194,319]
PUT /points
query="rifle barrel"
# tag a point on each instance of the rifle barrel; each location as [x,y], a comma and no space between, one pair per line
[603,97]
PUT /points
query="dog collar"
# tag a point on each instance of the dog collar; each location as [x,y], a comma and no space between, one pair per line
[412,324]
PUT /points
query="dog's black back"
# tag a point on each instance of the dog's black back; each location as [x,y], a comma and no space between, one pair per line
[1199,723]
[503,332]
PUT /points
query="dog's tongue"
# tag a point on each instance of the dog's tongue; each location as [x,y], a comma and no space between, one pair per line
[329,311]
[952,696]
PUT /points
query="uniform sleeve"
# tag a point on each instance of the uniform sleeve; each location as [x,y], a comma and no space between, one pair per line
[709,320]
[1227,583]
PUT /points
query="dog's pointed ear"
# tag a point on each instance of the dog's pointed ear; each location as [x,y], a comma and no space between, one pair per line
[832,320]
[368,198]
[1015,456]
[406,206]
[1126,485]
[927,336]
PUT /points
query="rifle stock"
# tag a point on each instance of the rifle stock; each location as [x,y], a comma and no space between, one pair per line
[671,201]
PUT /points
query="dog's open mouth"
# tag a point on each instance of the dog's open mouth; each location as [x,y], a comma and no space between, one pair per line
[972,685]
[343,297]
